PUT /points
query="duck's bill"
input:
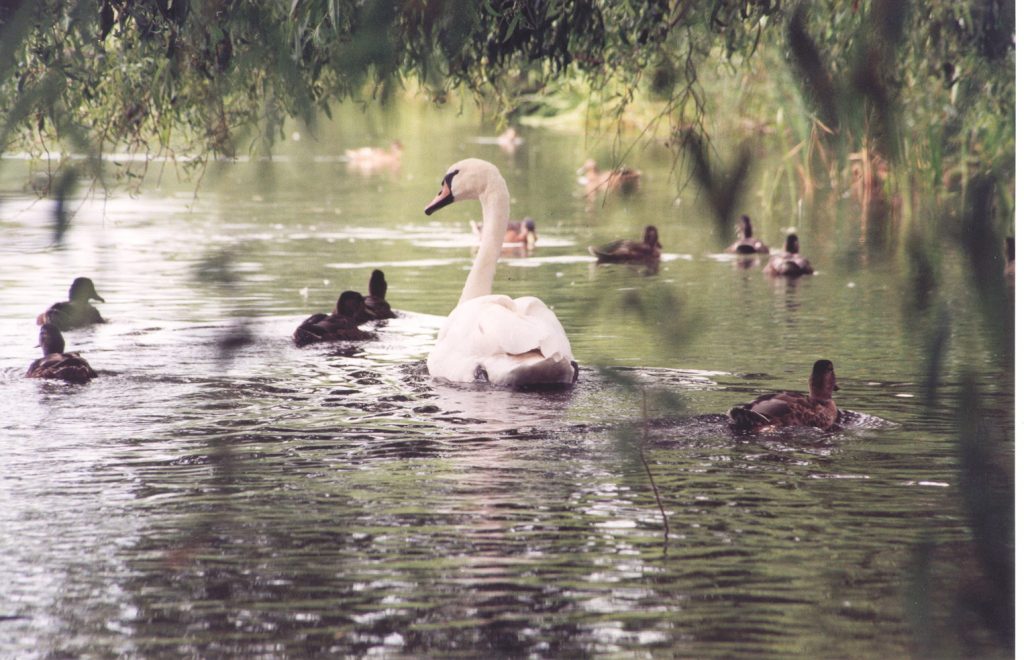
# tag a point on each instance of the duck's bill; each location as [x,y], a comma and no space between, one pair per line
[443,199]
[96,296]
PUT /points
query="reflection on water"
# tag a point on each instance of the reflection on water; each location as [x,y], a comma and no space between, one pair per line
[255,498]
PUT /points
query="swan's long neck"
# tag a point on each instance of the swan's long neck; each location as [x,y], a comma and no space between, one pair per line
[495,203]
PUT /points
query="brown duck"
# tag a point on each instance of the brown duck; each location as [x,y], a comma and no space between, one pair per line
[76,312]
[747,244]
[791,408]
[376,306]
[342,324]
[790,263]
[57,364]
[625,250]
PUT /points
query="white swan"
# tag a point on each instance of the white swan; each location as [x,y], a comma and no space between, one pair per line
[493,338]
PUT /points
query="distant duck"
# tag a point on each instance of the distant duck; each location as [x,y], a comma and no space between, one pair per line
[790,263]
[509,140]
[76,312]
[791,408]
[370,159]
[621,179]
[342,324]
[747,243]
[376,306]
[625,250]
[57,364]
[520,232]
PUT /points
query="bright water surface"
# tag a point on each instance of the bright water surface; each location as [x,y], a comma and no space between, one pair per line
[271,500]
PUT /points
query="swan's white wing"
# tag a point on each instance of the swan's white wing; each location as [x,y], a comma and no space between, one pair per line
[497,333]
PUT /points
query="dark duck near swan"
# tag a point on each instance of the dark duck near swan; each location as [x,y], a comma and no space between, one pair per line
[342,324]
[790,263]
[76,312]
[816,409]
[376,306]
[55,363]
[747,244]
[625,250]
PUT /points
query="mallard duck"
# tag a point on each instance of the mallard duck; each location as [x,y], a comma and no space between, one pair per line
[76,312]
[747,243]
[621,179]
[790,263]
[57,364]
[375,304]
[509,140]
[342,324]
[517,232]
[369,159]
[625,250]
[792,408]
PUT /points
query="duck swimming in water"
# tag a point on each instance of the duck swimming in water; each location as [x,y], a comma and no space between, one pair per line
[747,244]
[76,312]
[790,263]
[626,250]
[55,363]
[621,179]
[816,409]
[376,306]
[517,232]
[342,324]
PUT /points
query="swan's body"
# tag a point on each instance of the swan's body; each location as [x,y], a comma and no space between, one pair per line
[489,337]
[55,363]
[790,263]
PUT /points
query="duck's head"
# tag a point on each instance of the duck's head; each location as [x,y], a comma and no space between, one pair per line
[745,230]
[83,290]
[350,304]
[466,179]
[531,232]
[651,236]
[378,285]
[823,380]
[50,339]
[589,166]
[792,244]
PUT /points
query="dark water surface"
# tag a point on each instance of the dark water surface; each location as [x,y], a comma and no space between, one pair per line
[270,500]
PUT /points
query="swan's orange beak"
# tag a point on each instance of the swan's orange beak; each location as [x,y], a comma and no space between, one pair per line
[444,198]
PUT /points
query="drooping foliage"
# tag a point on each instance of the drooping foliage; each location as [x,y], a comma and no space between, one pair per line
[198,76]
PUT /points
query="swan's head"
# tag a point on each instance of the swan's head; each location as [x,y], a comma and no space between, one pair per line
[466,179]
[823,380]
[50,339]
[792,244]
[83,290]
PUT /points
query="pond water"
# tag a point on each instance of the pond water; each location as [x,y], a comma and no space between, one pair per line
[203,497]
